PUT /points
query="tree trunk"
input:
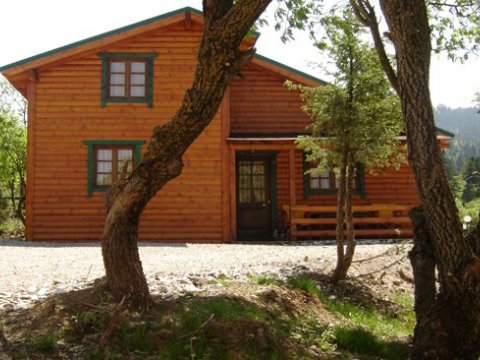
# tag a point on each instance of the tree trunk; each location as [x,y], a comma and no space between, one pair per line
[457,304]
[340,228]
[349,216]
[219,60]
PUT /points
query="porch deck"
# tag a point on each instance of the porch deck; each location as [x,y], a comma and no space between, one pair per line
[375,220]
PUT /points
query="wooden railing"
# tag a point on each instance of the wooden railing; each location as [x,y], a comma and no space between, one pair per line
[370,221]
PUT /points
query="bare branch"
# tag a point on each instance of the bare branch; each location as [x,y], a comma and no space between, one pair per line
[366,15]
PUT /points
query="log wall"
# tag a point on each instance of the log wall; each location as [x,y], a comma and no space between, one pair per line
[68,112]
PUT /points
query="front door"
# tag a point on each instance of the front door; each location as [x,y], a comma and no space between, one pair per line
[254,197]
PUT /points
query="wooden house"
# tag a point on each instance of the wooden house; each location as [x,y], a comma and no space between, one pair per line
[92,107]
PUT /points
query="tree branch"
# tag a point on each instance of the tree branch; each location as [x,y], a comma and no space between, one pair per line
[365,13]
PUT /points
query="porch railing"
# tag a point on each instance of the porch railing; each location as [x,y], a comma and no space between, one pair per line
[375,221]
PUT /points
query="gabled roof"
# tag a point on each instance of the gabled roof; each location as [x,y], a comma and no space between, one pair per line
[18,70]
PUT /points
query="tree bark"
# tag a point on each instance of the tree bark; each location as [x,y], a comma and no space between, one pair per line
[219,60]
[351,243]
[340,227]
[457,305]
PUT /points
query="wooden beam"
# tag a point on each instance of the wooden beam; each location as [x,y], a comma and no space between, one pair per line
[291,176]
[226,191]
[32,112]
[233,197]
[260,146]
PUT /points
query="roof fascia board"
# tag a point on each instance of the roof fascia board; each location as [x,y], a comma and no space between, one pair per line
[287,71]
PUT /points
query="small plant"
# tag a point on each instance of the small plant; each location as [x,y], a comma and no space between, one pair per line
[45,343]
[264,279]
[304,283]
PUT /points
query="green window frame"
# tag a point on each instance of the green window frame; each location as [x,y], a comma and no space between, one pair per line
[128,60]
[115,145]
[308,190]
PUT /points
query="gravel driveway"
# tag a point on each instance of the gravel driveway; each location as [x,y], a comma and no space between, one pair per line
[30,271]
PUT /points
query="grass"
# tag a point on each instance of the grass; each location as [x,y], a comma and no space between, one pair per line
[370,332]
[283,321]
[11,227]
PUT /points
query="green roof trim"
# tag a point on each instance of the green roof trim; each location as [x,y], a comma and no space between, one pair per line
[100,36]
[288,68]
[444,132]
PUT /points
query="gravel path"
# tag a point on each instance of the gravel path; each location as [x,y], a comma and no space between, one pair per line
[31,271]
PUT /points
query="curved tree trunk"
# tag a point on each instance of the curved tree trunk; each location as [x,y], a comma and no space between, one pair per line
[219,60]
[456,309]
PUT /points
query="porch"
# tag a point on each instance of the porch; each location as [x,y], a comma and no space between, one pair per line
[289,208]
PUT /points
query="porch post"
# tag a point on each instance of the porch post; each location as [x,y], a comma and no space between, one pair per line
[292,197]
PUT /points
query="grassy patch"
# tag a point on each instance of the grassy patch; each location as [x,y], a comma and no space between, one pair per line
[44,343]
[304,283]
[264,279]
[11,227]
[365,342]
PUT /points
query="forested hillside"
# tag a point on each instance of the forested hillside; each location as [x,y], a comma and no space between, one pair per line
[465,124]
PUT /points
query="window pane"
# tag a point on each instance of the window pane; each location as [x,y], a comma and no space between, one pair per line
[104,167]
[244,167]
[117,79]
[122,163]
[314,183]
[117,91]
[244,196]
[325,183]
[259,195]
[137,79]
[104,179]
[104,154]
[258,181]
[244,181]
[125,154]
[117,67]
[337,182]
[137,67]
[258,167]
[137,91]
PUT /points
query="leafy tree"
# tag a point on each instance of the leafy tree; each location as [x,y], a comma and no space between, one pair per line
[448,320]
[13,154]
[11,101]
[471,175]
[361,117]
[219,60]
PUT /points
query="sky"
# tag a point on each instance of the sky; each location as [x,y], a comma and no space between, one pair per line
[29,27]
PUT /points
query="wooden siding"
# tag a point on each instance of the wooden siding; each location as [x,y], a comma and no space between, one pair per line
[260,104]
[68,111]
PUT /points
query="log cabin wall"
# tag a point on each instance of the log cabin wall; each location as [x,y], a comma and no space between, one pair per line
[260,104]
[69,111]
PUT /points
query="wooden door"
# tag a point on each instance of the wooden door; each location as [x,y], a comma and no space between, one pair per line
[254,197]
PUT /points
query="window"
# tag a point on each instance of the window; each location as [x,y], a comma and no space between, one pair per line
[111,162]
[326,183]
[127,77]
[110,159]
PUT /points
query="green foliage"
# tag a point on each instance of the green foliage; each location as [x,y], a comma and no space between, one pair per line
[13,156]
[265,280]
[304,283]
[359,112]
[455,27]
[45,343]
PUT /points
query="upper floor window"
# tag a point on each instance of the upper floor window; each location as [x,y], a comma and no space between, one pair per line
[324,181]
[127,77]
